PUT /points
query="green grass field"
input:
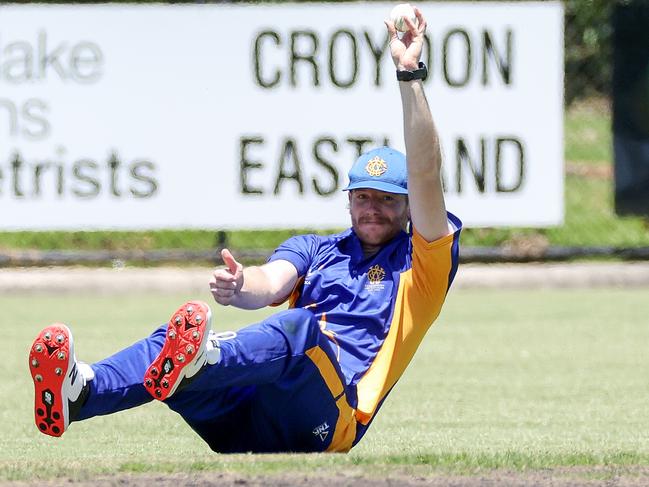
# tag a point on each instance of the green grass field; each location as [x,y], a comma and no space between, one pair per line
[516,380]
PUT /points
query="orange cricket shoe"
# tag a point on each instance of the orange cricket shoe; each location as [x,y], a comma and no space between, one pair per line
[184,352]
[59,387]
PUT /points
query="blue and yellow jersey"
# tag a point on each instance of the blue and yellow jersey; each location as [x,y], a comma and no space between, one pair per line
[376,311]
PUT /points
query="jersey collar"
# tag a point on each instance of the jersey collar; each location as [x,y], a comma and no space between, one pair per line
[350,242]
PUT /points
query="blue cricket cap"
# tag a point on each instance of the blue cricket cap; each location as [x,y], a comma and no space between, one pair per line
[383,169]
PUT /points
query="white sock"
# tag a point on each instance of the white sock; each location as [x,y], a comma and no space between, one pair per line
[86,372]
[213,344]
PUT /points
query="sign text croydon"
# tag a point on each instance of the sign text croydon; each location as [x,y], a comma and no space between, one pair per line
[249,116]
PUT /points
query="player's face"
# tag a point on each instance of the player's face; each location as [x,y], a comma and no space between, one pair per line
[377,216]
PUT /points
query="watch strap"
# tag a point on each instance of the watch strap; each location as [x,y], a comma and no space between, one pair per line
[420,73]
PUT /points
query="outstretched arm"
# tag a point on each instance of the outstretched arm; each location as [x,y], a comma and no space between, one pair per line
[427,208]
[253,287]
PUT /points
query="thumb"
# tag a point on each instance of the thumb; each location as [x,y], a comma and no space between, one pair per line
[229,261]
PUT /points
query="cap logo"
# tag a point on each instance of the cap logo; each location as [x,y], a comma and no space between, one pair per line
[376,166]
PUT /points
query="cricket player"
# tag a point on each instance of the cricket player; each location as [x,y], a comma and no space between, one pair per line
[313,377]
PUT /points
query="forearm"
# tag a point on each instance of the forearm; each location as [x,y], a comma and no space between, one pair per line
[424,159]
[252,287]
[421,138]
[256,291]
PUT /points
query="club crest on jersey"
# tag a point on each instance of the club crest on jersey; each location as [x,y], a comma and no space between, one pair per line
[375,275]
[376,166]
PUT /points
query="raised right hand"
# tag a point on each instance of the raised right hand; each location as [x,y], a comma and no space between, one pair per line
[406,50]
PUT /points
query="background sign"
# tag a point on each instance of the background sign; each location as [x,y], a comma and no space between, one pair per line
[219,116]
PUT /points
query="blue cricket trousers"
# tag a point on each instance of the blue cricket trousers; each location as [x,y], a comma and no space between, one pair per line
[277,387]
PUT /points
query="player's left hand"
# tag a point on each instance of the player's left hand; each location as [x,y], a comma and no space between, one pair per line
[406,50]
[226,283]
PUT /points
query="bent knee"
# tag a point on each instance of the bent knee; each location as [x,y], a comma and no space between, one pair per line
[299,324]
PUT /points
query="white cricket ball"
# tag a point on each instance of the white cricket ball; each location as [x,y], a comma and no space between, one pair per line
[399,13]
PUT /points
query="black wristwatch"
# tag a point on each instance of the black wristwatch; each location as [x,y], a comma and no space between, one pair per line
[420,73]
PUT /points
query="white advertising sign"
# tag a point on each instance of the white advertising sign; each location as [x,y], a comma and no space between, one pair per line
[249,116]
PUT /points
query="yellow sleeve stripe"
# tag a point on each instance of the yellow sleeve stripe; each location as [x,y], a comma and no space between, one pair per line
[345,431]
